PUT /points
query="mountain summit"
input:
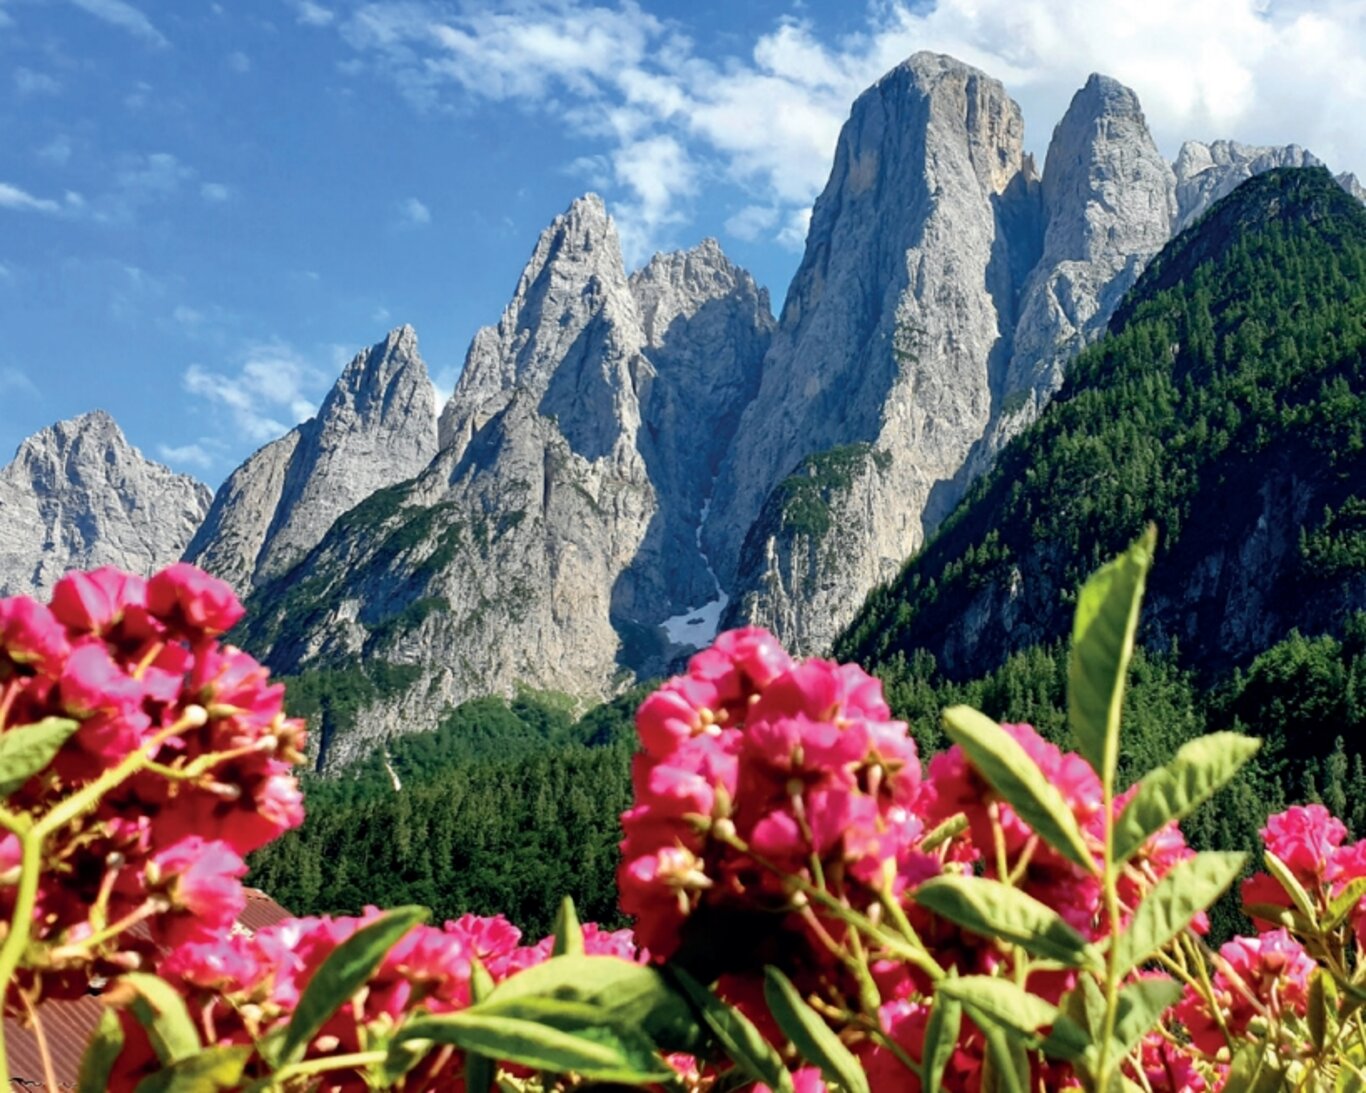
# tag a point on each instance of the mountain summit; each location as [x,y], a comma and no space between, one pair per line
[77,495]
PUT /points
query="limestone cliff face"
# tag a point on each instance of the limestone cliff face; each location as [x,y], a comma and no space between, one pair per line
[894,336]
[77,495]
[377,426]
[556,529]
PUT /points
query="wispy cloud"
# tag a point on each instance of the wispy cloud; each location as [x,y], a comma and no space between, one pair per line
[413,213]
[187,455]
[314,15]
[57,150]
[29,82]
[217,192]
[239,62]
[274,388]
[15,381]
[661,119]
[121,14]
[12,197]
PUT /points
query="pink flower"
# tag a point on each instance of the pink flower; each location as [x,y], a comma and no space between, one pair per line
[192,601]
[203,880]
[92,683]
[1304,837]
[31,636]
[95,602]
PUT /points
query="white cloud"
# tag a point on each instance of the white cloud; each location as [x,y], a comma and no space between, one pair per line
[664,119]
[12,197]
[216,192]
[314,15]
[752,222]
[413,213]
[187,455]
[239,62]
[274,382]
[13,380]
[57,150]
[28,82]
[119,13]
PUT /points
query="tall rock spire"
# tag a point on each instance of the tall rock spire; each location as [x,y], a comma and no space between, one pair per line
[891,342]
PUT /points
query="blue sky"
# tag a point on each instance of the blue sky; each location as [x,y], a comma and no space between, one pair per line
[207,208]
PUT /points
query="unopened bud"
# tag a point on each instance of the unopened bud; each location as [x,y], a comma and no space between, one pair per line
[194,716]
[327,1044]
[724,829]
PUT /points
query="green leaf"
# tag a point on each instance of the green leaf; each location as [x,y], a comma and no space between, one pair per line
[1344,903]
[160,1010]
[28,749]
[742,1042]
[100,1054]
[1017,778]
[568,932]
[993,909]
[344,972]
[1254,1070]
[1007,1069]
[1277,915]
[479,1072]
[481,983]
[813,1038]
[212,1069]
[1293,888]
[547,1034]
[1323,1008]
[1001,1002]
[1140,1006]
[941,1037]
[1199,769]
[1188,888]
[1103,630]
[1080,1023]
[625,991]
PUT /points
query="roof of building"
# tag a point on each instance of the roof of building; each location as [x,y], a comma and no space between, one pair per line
[67,1025]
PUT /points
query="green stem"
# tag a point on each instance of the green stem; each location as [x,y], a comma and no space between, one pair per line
[355,1061]
[1111,888]
[21,922]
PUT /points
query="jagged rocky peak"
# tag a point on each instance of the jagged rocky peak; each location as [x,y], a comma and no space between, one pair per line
[376,427]
[1207,172]
[1109,203]
[564,339]
[77,495]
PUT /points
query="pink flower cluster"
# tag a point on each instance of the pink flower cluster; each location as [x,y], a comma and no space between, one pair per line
[242,988]
[762,778]
[139,666]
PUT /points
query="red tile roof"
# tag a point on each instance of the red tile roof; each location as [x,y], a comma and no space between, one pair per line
[67,1025]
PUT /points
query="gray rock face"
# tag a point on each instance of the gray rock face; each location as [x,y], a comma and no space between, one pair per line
[557,527]
[1109,202]
[895,336]
[78,496]
[1207,172]
[377,426]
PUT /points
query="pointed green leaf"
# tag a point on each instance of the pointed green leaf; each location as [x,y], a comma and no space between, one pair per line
[1274,913]
[993,909]
[546,1034]
[160,1010]
[1081,1020]
[1017,778]
[1000,1001]
[744,1045]
[1199,769]
[1323,1008]
[810,1035]
[1344,903]
[1254,1070]
[27,750]
[941,1037]
[214,1068]
[1293,888]
[624,990]
[1188,888]
[568,932]
[344,972]
[481,983]
[1007,1064]
[1140,1005]
[100,1054]
[1103,631]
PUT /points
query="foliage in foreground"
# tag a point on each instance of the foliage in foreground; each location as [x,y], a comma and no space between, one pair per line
[813,911]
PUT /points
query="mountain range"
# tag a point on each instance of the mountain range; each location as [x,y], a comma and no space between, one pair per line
[630,460]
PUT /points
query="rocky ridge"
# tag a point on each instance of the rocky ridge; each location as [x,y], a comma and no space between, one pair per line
[77,496]
[377,426]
